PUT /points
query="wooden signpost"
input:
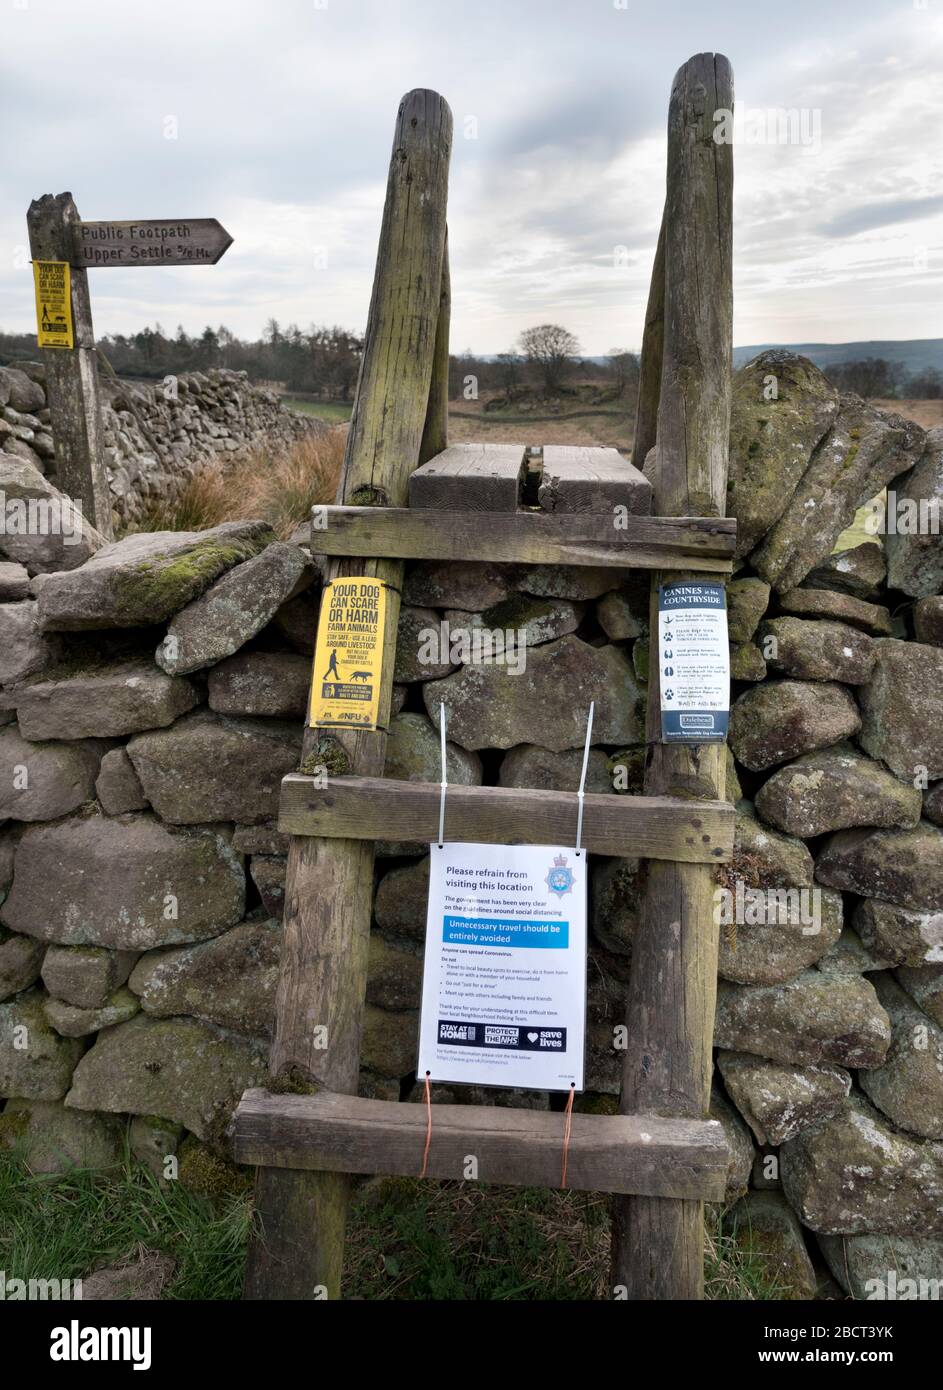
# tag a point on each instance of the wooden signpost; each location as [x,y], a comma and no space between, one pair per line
[63,247]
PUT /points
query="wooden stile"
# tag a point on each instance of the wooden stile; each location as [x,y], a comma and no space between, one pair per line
[582,478]
[470,477]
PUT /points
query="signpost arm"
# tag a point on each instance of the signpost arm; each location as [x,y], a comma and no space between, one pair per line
[658,1243]
[298,1248]
[72,373]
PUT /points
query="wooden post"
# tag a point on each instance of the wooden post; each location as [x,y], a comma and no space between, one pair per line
[653,342]
[435,435]
[658,1243]
[298,1251]
[72,373]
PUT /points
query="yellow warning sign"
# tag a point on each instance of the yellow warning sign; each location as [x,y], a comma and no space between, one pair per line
[53,304]
[348,655]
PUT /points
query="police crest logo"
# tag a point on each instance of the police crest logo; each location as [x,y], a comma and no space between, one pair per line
[560,879]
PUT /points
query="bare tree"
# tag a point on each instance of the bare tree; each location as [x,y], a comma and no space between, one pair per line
[624,367]
[508,367]
[552,349]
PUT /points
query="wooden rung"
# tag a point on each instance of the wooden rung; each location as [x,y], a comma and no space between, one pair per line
[529,538]
[378,808]
[586,478]
[470,477]
[644,1155]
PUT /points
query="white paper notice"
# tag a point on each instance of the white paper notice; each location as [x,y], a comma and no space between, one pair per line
[504,980]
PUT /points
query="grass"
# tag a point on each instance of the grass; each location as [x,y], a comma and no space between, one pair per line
[278,488]
[334,412]
[405,1239]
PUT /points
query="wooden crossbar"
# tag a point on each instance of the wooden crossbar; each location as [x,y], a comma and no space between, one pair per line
[635,1154]
[378,808]
[528,538]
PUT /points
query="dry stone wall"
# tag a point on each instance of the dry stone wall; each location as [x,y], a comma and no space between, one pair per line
[153,696]
[156,435]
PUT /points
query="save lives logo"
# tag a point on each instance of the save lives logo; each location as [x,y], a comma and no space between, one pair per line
[76,1343]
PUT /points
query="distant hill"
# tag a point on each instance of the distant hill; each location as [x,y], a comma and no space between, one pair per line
[915,354]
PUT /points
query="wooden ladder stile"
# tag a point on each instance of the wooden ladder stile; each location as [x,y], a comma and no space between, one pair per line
[662,1157]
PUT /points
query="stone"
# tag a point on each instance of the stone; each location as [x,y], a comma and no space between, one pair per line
[885,1267]
[390,1041]
[268,872]
[747,663]
[843,608]
[140,1278]
[401,901]
[928,620]
[54,1140]
[394,975]
[42,781]
[623,613]
[178,1067]
[146,577]
[74,1022]
[21,960]
[904,867]
[527,765]
[35,1062]
[107,701]
[900,936]
[855,1174]
[297,620]
[462,584]
[747,601]
[739,1144]
[933,803]
[126,881]
[229,981]
[152,1140]
[14,581]
[902,709]
[772,437]
[615,901]
[579,582]
[778,1101]
[908,1085]
[641,658]
[270,684]
[865,448]
[780,720]
[264,838]
[19,391]
[764,1226]
[413,753]
[924,984]
[915,553]
[234,608]
[419,628]
[24,650]
[43,530]
[859,571]
[118,786]
[778,932]
[850,956]
[812,1019]
[836,789]
[627,771]
[86,976]
[817,650]
[763,858]
[213,767]
[489,707]
[532,621]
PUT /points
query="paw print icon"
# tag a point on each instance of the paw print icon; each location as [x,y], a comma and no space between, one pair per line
[669,694]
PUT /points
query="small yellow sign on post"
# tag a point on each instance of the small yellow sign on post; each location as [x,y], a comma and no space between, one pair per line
[53,304]
[348,655]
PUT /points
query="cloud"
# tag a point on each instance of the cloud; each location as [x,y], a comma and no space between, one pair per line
[883,214]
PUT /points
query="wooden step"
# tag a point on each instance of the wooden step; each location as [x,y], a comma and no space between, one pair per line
[644,1155]
[583,478]
[531,538]
[470,478]
[378,808]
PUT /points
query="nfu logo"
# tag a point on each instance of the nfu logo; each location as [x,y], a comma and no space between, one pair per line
[75,1343]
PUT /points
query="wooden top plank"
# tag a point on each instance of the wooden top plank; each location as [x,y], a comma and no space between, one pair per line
[586,478]
[644,827]
[474,477]
[641,1154]
[590,538]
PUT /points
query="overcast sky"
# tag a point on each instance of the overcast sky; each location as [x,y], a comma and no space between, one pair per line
[284,114]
